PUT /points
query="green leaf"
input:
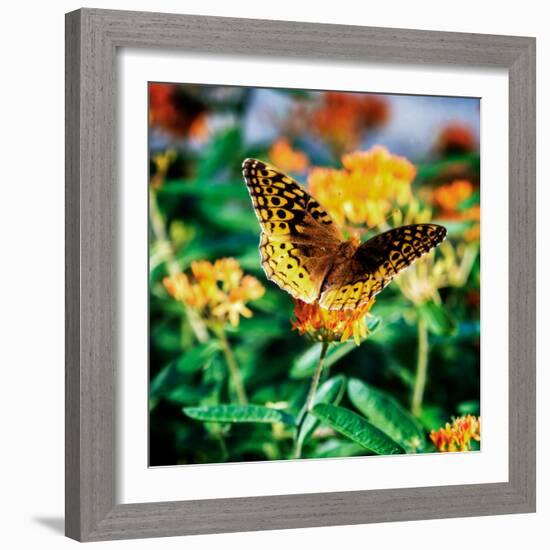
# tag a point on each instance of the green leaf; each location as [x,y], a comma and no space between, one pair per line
[205,189]
[239,413]
[231,217]
[222,150]
[199,249]
[438,319]
[305,364]
[198,357]
[329,392]
[387,414]
[357,429]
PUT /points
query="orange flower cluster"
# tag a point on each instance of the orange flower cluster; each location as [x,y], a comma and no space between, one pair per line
[365,191]
[219,291]
[449,198]
[327,325]
[176,112]
[455,139]
[342,116]
[458,435]
[286,158]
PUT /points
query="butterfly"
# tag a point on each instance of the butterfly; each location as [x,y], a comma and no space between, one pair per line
[304,252]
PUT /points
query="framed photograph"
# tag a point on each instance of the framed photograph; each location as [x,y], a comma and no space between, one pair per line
[300,285]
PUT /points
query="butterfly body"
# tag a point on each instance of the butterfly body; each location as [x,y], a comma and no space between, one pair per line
[304,252]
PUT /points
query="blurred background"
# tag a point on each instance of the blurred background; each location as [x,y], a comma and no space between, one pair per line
[422,351]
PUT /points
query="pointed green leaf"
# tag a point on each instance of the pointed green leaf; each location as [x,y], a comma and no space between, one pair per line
[387,414]
[357,429]
[239,413]
[329,392]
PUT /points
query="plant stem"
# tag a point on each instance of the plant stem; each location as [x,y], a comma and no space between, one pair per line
[297,453]
[234,371]
[310,400]
[223,446]
[316,378]
[421,368]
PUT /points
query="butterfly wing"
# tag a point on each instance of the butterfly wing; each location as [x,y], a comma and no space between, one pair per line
[298,239]
[375,264]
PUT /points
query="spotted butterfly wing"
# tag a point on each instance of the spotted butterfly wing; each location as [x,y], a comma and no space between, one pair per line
[299,239]
[376,262]
[304,252]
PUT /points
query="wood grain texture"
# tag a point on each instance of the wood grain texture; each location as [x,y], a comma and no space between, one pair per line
[72,276]
[522,274]
[91,257]
[92,37]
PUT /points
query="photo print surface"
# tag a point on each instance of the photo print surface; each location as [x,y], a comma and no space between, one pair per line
[314,274]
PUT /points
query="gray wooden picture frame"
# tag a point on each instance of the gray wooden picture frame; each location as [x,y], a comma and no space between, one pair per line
[92,40]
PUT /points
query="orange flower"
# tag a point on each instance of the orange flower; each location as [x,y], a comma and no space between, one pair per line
[251,288]
[231,308]
[218,292]
[229,272]
[327,325]
[458,435]
[341,117]
[199,129]
[448,197]
[181,289]
[456,138]
[365,191]
[286,158]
